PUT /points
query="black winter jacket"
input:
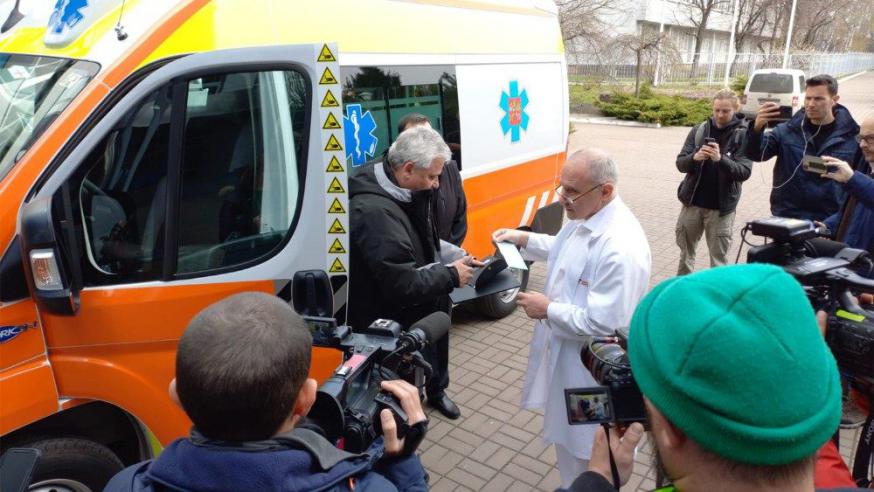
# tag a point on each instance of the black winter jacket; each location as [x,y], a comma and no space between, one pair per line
[734,167]
[394,272]
[451,205]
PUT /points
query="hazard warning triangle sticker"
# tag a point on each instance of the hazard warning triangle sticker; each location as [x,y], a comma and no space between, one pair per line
[336,207]
[325,55]
[329,101]
[337,248]
[334,166]
[336,228]
[333,145]
[331,123]
[337,266]
[336,187]
[327,77]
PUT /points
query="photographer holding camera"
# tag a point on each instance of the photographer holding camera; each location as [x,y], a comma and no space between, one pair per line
[241,376]
[853,224]
[822,127]
[740,390]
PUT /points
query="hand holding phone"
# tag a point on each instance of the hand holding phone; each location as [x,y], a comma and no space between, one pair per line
[813,164]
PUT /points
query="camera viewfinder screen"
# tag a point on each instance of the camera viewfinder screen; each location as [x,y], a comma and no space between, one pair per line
[588,405]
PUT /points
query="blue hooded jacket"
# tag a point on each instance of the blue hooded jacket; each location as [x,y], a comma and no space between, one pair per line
[797,193]
[860,227]
[301,460]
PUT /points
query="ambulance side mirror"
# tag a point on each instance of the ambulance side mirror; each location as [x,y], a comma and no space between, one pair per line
[43,264]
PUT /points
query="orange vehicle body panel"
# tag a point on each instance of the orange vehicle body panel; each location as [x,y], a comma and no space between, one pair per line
[27,394]
[498,199]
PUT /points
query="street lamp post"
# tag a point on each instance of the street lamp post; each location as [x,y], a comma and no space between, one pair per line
[789,34]
[730,56]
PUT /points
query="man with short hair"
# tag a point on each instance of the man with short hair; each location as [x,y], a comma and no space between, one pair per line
[739,386]
[853,224]
[246,391]
[598,268]
[715,164]
[399,269]
[822,127]
[450,201]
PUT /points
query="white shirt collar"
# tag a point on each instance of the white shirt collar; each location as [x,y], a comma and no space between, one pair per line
[598,223]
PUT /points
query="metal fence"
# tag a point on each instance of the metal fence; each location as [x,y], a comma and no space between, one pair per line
[681,68]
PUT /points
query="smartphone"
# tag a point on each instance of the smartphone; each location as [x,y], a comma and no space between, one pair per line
[588,405]
[814,164]
[16,468]
[709,140]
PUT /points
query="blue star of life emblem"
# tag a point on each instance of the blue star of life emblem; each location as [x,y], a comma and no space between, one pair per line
[358,129]
[515,117]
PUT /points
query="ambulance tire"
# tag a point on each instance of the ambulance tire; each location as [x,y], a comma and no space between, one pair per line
[73,464]
[502,304]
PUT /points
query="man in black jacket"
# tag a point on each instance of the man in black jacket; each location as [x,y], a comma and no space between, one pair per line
[398,269]
[714,161]
[450,201]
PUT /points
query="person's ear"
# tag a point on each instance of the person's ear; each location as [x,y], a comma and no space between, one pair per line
[663,431]
[607,190]
[836,98]
[171,390]
[408,168]
[305,397]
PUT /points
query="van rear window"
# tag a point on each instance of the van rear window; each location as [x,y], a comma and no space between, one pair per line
[772,82]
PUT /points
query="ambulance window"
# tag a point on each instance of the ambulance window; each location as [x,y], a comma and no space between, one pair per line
[122,196]
[376,98]
[240,176]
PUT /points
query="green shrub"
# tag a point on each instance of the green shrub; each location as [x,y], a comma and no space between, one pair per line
[666,110]
[739,84]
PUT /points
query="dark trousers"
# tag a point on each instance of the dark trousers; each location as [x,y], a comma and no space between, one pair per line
[437,354]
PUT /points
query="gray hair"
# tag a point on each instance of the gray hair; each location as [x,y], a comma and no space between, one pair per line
[419,144]
[601,168]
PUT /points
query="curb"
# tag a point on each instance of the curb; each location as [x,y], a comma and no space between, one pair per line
[602,120]
[849,77]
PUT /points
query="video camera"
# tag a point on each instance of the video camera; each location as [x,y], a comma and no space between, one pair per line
[828,272]
[618,398]
[348,404]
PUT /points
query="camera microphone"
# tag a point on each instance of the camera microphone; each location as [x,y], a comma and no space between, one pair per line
[425,331]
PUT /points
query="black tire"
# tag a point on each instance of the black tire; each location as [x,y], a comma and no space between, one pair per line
[72,464]
[502,304]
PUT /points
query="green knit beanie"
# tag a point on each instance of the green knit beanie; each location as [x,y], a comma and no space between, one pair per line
[734,358]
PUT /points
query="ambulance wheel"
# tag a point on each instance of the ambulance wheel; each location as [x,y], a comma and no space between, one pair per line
[502,304]
[73,465]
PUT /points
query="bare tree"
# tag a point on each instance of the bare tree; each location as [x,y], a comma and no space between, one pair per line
[581,23]
[640,45]
[698,13]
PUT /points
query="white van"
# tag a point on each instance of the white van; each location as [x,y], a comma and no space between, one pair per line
[783,86]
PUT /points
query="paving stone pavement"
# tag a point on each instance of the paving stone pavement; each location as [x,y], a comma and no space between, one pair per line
[495,445]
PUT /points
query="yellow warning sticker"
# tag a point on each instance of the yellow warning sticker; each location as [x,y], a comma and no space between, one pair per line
[333,144]
[337,266]
[336,228]
[327,77]
[331,123]
[336,187]
[325,55]
[336,207]
[334,166]
[329,101]
[337,248]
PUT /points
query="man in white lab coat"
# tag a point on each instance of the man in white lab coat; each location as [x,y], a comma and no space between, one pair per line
[598,269]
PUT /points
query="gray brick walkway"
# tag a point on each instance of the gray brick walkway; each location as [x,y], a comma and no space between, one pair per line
[496,446]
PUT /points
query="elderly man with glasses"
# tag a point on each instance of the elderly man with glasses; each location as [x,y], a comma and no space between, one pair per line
[854,222]
[598,269]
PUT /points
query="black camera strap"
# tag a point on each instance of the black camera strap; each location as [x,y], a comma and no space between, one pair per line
[862,460]
[613,470]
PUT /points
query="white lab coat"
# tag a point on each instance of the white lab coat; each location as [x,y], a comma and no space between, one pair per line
[598,269]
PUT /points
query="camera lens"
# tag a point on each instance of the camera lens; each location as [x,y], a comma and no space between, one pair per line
[602,359]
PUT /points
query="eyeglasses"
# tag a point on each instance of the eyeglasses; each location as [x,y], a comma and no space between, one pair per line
[559,190]
[868,139]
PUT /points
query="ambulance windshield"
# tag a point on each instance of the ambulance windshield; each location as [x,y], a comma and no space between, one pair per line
[34,90]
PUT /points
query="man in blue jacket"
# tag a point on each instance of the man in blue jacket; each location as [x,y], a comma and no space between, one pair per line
[823,127]
[241,376]
[853,224]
